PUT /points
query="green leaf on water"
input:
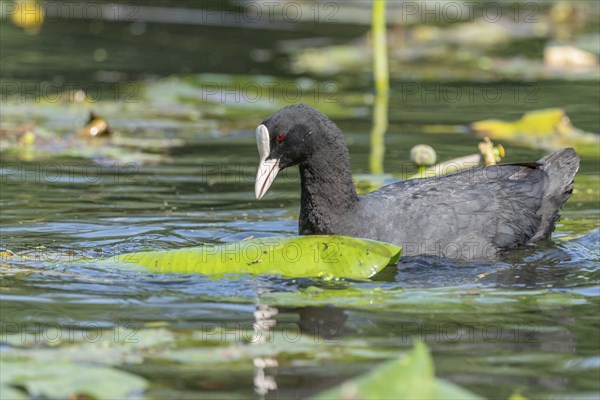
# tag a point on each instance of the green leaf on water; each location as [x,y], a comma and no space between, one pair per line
[64,380]
[410,377]
[10,393]
[304,256]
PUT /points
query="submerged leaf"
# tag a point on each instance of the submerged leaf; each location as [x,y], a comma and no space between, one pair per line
[304,256]
[63,380]
[10,393]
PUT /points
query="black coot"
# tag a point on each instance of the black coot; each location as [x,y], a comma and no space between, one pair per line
[468,215]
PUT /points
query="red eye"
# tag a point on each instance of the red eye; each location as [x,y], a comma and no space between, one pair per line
[280,138]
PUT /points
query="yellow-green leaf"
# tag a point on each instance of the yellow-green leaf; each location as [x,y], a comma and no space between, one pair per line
[304,256]
[410,377]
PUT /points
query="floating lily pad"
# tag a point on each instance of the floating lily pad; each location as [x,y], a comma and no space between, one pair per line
[410,377]
[64,380]
[419,301]
[305,256]
[549,129]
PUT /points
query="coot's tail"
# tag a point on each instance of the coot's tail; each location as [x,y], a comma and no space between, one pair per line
[561,168]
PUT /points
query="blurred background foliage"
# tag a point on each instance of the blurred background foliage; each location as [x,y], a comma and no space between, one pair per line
[211,63]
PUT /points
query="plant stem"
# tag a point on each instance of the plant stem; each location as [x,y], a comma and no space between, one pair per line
[381,77]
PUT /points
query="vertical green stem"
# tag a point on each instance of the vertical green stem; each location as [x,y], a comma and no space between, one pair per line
[381,77]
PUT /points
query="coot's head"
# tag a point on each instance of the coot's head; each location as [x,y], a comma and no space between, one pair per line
[291,136]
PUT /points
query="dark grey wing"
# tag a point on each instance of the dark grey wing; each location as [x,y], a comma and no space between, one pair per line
[466,215]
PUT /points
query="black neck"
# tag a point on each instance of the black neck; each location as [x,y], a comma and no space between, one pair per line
[327,189]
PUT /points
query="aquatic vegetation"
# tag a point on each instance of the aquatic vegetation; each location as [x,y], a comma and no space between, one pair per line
[548,129]
[305,256]
[410,377]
